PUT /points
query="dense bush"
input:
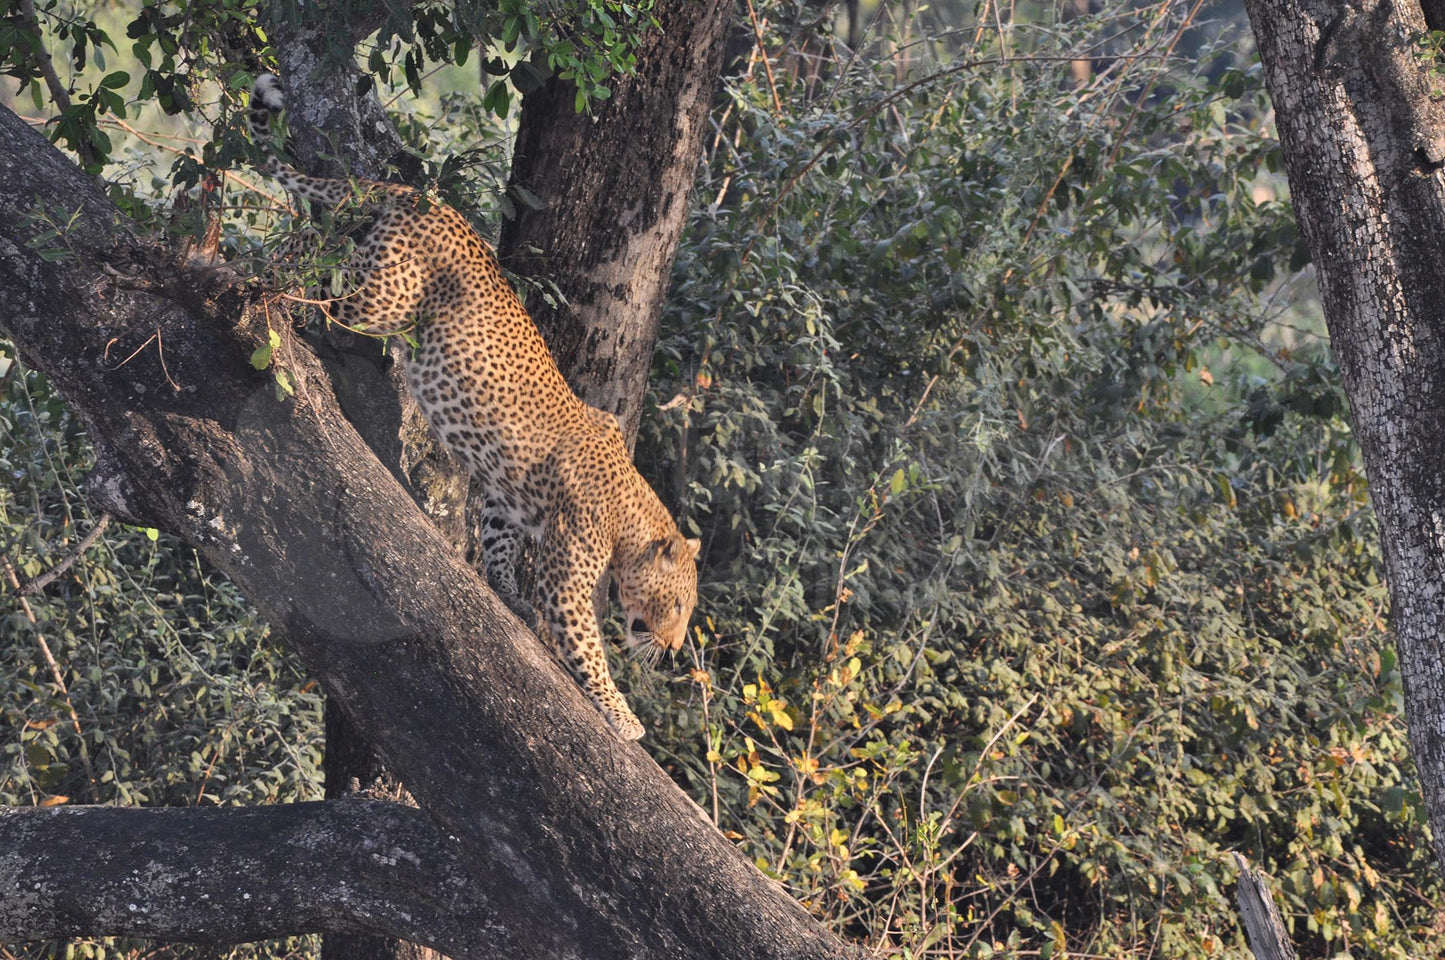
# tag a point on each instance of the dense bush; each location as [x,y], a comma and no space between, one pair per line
[1038,560]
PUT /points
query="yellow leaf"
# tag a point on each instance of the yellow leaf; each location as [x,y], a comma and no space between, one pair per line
[54,801]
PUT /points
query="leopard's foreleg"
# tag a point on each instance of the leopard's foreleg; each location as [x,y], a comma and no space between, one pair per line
[573,559]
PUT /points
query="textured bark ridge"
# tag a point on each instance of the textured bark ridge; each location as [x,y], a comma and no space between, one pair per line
[353,867]
[616,186]
[588,849]
[1371,204]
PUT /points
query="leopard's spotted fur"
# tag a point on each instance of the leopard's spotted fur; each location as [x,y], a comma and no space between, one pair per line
[551,466]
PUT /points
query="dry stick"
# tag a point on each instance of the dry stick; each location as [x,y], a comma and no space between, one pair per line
[1268,938]
[210,767]
[56,676]
[35,585]
[767,64]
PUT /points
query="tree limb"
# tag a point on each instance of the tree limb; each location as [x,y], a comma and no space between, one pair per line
[224,874]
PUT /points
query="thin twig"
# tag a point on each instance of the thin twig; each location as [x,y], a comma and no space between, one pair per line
[35,585]
[1139,101]
[767,64]
[57,677]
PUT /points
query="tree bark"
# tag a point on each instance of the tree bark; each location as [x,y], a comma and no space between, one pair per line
[221,874]
[594,851]
[1268,937]
[617,186]
[1361,132]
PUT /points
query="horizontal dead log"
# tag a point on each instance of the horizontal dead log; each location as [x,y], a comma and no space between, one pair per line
[236,874]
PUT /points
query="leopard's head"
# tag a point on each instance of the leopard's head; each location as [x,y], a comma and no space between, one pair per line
[658,589]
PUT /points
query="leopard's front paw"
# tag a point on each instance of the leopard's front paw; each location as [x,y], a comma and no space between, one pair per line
[625,725]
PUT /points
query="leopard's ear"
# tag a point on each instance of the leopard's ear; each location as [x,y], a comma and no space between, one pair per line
[658,551]
[668,551]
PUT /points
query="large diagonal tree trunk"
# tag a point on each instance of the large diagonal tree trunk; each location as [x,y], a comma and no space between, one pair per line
[1363,141]
[576,844]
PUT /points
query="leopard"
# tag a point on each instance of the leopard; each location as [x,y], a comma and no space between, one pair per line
[550,466]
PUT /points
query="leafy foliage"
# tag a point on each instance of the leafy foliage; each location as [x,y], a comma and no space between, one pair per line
[178,47]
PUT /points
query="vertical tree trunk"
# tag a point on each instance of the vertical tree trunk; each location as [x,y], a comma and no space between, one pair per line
[1362,142]
[617,186]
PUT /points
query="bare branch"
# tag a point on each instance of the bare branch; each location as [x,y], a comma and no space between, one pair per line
[35,584]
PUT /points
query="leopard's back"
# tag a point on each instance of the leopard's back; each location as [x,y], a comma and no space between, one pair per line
[480,371]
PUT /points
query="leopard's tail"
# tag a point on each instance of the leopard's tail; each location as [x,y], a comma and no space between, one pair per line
[267,101]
